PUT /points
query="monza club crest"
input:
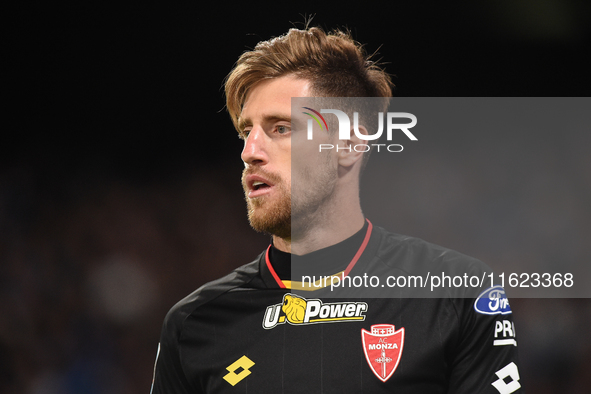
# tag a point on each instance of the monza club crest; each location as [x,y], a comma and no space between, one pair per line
[383,348]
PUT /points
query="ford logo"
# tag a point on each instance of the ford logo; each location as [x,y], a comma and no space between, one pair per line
[492,301]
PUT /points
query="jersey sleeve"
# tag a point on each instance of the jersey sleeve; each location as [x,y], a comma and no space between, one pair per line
[485,358]
[169,377]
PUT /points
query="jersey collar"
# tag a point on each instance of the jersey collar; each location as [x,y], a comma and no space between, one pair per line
[340,251]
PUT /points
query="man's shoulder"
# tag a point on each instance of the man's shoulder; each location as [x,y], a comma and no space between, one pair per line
[413,254]
[240,278]
[423,269]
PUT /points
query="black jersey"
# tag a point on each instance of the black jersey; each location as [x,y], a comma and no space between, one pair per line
[249,332]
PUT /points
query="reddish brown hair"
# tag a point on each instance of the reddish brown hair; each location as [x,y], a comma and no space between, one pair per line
[335,65]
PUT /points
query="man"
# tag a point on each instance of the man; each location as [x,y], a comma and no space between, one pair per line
[251,331]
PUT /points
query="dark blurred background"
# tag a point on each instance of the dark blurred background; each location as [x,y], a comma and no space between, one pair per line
[119,170]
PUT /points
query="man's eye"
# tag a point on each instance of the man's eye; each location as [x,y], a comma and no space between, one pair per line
[283,129]
[244,133]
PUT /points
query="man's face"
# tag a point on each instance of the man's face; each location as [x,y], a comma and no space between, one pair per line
[266,126]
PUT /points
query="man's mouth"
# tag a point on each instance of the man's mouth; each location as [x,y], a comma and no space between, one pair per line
[257,186]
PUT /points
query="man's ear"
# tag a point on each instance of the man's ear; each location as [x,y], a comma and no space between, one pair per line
[347,153]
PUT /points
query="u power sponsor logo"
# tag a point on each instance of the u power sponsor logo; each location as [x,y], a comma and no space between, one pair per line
[492,301]
[345,129]
[298,310]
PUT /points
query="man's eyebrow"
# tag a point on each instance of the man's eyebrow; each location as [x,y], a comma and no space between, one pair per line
[270,118]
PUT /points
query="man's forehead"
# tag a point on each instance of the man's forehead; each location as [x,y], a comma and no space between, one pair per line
[270,100]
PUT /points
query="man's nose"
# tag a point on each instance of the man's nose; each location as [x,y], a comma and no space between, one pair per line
[254,151]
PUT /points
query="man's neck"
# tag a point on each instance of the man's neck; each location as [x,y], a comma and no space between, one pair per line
[322,235]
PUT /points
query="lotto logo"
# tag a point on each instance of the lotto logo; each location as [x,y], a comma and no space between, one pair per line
[503,385]
[232,377]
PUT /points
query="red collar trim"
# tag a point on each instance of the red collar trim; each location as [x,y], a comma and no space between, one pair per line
[272,270]
[347,270]
[360,251]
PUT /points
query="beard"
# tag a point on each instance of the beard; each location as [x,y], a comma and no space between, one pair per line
[294,210]
[265,215]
